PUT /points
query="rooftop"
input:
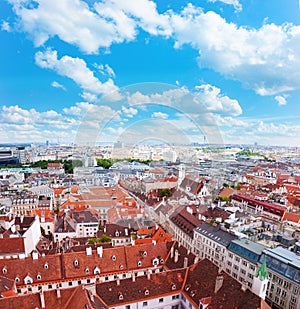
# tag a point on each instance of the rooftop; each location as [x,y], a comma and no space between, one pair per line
[215,233]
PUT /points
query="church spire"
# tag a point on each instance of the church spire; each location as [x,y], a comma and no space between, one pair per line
[262,271]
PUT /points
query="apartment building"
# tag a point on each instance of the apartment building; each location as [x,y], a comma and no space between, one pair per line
[283,289]
[211,242]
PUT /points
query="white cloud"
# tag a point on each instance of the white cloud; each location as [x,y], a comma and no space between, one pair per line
[281,100]
[74,22]
[129,112]
[79,109]
[265,59]
[216,102]
[160,115]
[235,3]
[5,26]
[76,69]
[58,85]
[105,70]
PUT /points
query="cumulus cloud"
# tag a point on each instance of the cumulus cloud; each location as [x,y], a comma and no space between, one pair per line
[18,116]
[90,28]
[79,109]
[5,26]
[235,3]
[281,100]
[160,115]
[58,85]
[76,69]
[216,102]
[129,112]
[264,59]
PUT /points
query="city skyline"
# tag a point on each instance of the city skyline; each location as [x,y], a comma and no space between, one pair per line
[118,68]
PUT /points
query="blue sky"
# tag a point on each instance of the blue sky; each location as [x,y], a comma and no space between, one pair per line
[138,69]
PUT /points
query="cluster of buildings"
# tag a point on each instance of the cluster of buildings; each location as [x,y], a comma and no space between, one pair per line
[218,230]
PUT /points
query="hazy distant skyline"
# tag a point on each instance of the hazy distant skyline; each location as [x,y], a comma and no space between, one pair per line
[60,58]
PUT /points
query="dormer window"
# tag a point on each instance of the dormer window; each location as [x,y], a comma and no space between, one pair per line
[28,280]
[17,279]
[76,263]
[146,292]
[117,234]
[113,257]
[120,296]
[155,262]
[139,263]
[173,286]
[121,267]
[4,270]
[187,287]
[38,277]
[46,266]
[87,271]
[161,261]
[145,253]
[96,271]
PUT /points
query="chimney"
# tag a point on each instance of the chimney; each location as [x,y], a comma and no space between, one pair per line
[42,298]
[149,275]
[196,260]
[88,251]
[172,252]
[58,293]
[118,281]
[126,232]
[100,251]
[176,256]
[219,283]
[133,277]
[185,263]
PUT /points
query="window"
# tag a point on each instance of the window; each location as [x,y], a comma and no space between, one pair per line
[50,286]
[252,267]
[145,304]
[293,299]
[70,283]
[283,294]
[243,271]
[175,297]
[296,290]
[161,300]
[127,307]
[278,290]
[244,263]
[237,258]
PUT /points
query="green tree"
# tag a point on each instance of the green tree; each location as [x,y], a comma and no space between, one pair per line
[103,238]
[165,192]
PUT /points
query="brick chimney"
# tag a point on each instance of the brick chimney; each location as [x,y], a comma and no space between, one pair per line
[176,256]
[219,283]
